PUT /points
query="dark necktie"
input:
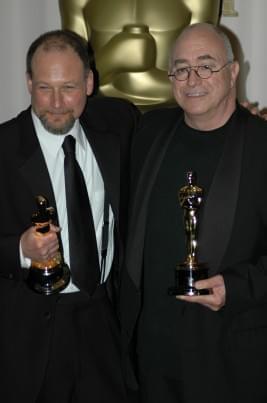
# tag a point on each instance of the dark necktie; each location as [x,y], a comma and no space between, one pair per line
[84,262]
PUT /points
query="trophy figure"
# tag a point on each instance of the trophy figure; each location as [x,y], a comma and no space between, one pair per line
[53,275]
[186,273]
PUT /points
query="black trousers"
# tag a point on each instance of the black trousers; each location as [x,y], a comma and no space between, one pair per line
[84,362]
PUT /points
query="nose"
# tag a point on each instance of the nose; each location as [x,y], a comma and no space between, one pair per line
[57,98]
[193,78]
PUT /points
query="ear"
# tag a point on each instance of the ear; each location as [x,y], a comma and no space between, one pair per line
[29,83]
[90,83]
[234,72]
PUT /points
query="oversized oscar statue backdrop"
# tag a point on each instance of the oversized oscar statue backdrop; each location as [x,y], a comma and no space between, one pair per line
[132,39]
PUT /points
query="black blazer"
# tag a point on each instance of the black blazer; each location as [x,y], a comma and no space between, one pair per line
[225,351]
[26,317]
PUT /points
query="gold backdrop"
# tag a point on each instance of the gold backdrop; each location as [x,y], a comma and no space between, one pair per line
[132,39]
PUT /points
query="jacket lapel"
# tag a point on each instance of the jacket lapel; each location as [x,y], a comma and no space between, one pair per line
[32,164]
[220,207]
[139,205]
[106,148]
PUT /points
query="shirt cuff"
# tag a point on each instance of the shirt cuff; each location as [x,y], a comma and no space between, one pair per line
[25,262]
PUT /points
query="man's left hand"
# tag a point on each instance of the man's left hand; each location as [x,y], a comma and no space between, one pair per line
[215,300]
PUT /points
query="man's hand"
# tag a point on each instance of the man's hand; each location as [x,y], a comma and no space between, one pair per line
[254,109]
[215,300]
[40,247]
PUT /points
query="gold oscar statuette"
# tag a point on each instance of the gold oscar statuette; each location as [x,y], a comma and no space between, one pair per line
[186,273]
[47,276]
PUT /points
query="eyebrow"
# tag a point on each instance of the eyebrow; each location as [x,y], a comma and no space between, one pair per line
[200,58]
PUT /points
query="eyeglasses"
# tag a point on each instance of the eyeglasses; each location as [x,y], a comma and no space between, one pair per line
[205,71]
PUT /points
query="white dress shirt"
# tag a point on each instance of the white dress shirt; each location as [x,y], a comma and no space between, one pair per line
[51,145]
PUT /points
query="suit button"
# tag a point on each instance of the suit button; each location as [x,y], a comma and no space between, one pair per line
[48,315]
[10,276]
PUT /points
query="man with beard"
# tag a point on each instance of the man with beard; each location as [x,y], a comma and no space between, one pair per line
[62,347]
[199,348]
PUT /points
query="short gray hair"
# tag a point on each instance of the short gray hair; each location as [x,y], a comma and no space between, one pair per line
[212,27]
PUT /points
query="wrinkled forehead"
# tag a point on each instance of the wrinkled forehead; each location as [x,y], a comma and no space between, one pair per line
[199,45]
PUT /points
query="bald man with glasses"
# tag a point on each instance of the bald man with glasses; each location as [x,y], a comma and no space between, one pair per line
[211,346]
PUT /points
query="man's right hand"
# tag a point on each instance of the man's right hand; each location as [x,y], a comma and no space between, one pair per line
[40,247]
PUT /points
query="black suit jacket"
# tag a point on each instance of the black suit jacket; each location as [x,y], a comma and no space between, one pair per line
[218,356]
[26,318]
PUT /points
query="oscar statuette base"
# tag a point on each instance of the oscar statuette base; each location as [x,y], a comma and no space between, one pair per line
[185,276]
[48,281]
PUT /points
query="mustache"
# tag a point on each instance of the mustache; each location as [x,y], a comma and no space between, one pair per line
[58,111]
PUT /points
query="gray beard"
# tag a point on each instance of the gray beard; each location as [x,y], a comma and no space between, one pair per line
[57,130]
